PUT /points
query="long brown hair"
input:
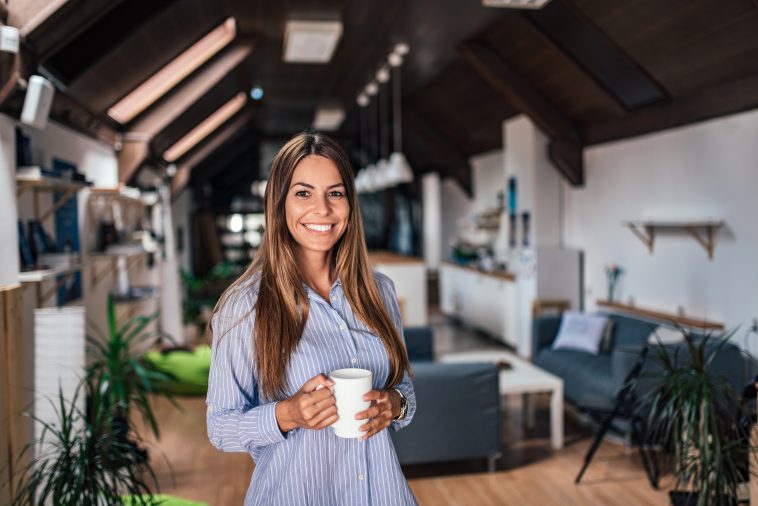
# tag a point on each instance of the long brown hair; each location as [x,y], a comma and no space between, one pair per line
[282,305]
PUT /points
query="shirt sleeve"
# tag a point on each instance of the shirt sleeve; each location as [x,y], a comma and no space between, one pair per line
[387,288]
[236,418]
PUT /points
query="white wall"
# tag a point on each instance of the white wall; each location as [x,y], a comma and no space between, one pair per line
[432,228]
[456,209]
[707,170]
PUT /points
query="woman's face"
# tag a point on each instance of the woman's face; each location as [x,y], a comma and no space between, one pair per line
[316,208]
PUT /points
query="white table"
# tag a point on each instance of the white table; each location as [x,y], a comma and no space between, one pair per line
[523,378]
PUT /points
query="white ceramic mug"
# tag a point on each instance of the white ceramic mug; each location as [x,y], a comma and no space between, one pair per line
[350,385]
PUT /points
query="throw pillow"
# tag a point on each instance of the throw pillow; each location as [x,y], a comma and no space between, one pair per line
[580,332]
[665,335]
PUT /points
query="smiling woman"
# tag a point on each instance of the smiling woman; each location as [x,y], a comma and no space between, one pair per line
[309,304]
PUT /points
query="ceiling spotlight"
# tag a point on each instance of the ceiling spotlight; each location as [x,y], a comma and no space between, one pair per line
[362,100]
[395,60]
[256,93]
[372,88]
[383,74]
[171,170]
[402,49]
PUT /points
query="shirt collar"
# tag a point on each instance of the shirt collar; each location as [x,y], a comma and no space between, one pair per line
[312,294]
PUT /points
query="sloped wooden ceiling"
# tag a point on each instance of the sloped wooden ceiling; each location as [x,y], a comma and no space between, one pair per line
[587,71]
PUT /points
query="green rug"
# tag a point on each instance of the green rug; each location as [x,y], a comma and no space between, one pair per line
[163,500]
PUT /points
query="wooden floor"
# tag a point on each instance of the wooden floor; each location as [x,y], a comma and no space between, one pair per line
[188,466]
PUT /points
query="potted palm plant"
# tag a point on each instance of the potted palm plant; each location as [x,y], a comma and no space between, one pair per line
[79,459]
[126,380]
[694,412]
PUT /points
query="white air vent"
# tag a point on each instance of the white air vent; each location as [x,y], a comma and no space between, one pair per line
[516,4]
[311,41]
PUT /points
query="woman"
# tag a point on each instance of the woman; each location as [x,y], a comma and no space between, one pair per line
[309,304]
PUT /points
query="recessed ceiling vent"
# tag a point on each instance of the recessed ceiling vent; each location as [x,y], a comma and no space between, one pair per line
[516,4]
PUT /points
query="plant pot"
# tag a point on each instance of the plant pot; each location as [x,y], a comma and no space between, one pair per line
[679,498]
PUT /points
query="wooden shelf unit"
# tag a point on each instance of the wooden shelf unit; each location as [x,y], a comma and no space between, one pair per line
[681,320]
[48,184]
[646,231]
[115,194]
[112,259]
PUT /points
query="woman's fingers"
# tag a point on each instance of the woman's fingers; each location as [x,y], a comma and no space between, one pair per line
[312,384]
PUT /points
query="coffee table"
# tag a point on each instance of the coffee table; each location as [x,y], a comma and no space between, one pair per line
[522,378]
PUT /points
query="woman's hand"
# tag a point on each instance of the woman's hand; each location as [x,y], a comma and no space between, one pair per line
[312,407]
[385,405]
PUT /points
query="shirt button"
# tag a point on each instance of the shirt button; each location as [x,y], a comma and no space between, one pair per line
[354,360]
[343,326]
[360,476]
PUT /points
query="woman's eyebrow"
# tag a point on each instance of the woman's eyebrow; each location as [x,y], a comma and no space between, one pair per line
[300,183]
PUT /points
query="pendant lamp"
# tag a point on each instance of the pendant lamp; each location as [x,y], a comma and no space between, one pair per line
[399,170]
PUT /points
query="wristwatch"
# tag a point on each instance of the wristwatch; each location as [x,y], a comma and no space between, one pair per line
[403,406]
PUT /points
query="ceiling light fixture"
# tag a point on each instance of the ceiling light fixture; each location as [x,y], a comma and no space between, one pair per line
[311,41]
[372,88]
[208,125]
[172,74]
[328,119]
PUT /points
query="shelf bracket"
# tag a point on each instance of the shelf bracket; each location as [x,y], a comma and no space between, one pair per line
[64,198]
[647,236]
[707,241]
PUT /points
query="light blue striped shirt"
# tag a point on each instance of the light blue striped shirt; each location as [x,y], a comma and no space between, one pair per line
[305,467]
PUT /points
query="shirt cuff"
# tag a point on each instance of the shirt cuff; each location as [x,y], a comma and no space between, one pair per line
[260,427]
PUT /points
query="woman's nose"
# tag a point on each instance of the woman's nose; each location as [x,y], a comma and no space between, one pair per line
[321,205]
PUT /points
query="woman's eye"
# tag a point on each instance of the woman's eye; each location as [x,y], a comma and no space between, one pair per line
[301,193]
[336,194]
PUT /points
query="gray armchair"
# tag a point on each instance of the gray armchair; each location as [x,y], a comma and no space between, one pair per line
[458,409]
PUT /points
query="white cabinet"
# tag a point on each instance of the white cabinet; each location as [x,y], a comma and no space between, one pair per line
[484,301]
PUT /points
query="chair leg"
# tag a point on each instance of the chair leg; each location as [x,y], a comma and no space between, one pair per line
[492,462]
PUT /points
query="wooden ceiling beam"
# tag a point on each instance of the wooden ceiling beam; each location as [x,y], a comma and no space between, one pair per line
[565,149]
[160,116]
[206,150]
[165,112]
[456,162]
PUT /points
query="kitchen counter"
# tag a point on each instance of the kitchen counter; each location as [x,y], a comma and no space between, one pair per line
[506,275]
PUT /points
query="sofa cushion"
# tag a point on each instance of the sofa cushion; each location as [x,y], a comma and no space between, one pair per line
[580,331]
[587,378]
[630,331]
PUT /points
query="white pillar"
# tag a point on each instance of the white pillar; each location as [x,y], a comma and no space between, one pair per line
[9,260]
[171,294]
[431,195]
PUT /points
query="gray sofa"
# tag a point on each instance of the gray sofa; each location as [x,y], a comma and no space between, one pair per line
[458,408]
[593,381]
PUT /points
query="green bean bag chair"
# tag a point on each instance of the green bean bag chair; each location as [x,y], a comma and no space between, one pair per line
[188,369]
[163,500]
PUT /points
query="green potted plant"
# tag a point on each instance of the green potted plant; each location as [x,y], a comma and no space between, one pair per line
[80,460]
[126,380]
[693,411]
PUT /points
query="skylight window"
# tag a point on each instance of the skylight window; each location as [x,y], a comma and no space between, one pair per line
[172,74]
[208,125]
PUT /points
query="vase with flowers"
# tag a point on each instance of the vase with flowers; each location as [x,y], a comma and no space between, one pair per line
[613,273]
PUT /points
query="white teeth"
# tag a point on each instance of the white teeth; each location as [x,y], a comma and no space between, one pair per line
[320,228]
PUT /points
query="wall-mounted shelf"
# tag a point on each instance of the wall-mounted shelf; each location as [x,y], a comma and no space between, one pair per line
[48,184]
[38,276]
[112,263]
[703,231]
[117,195]
[681,320]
